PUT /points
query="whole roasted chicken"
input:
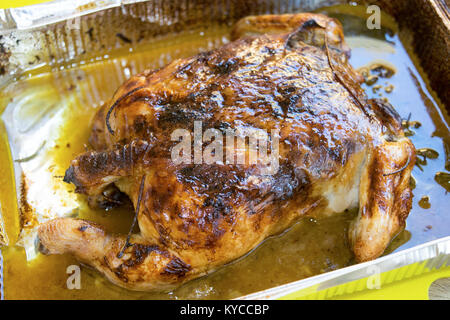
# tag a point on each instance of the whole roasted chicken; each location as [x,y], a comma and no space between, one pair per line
[289,73]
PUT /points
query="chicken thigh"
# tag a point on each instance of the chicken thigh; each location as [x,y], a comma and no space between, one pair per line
[287,74]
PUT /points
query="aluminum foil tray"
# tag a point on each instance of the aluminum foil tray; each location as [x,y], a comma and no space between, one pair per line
[63,38]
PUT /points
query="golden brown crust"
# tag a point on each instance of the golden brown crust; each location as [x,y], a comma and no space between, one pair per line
[196,217]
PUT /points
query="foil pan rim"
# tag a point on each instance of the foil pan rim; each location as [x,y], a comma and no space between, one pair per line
[47,13]
[425,252]
[420,253]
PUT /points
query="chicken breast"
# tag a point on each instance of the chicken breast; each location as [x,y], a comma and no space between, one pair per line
[287,75]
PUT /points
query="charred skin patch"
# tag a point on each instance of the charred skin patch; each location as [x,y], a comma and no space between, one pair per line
[141,126]
[176,267]
[139,252]
[218,205]
[128,270]
[211,178]
[226,66]
[176,115]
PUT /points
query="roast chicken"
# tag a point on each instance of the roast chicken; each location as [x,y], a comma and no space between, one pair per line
[287,74]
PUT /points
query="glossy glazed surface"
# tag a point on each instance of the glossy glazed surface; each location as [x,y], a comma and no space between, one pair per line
[296,257]
[333,148]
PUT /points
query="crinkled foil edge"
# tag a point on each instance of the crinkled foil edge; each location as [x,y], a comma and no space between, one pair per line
[428,257]
[431,255]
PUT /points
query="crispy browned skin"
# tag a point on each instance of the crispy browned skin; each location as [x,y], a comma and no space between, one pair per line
[337,150]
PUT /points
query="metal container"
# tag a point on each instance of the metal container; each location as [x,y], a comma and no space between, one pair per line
[59,37]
